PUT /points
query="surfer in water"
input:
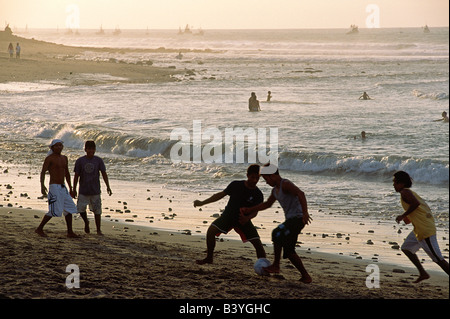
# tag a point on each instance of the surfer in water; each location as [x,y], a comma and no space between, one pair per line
[364,96]
[253,103]
[444,118]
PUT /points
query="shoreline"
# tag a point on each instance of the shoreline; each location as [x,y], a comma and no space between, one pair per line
[45,61]
[142,260]
[162,208]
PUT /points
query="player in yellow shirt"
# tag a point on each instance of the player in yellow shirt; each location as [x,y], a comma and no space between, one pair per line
[423,236]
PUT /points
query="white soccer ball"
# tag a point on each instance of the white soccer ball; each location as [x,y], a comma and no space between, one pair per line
[259,264]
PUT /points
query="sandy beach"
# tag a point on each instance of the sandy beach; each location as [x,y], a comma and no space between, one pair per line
[134,261]
[43,61]
[138,262]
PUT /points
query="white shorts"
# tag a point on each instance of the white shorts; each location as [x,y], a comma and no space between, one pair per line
[429,245]
[94,202]
[59,201]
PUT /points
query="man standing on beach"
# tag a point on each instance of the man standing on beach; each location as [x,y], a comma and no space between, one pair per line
[87,170]
[59,199]
[242,194]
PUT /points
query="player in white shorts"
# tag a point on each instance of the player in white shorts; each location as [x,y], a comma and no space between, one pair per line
[59,198]
[59,201]
[423,236]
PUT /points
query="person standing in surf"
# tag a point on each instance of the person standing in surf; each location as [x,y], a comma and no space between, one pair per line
[423,236]
[253,103]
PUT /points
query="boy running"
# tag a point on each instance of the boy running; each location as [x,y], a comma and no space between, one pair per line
[423,236]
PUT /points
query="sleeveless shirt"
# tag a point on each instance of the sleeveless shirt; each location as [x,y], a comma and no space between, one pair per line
[421,218]
[289,202]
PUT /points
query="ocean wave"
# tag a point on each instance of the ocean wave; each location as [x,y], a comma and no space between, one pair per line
[149,149]
[421,170]
[107,140]
[433,95]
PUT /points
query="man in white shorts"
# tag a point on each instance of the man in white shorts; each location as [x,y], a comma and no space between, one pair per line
[423,236]
[87,170]
[59,198]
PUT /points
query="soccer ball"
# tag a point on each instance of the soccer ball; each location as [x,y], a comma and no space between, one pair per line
[259,264]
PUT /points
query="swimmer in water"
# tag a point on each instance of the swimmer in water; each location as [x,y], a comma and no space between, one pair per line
[444,118]
[364,96]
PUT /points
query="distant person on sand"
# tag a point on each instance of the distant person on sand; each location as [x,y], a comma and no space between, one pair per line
[17,51]
[87,170]
[295,208]
[364,96]
[269,96]
[59,198]
[423,236]
[253,103]
[242,193]
[11,50]
[444,118]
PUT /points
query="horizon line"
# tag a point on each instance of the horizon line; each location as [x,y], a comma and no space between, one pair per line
[213,29]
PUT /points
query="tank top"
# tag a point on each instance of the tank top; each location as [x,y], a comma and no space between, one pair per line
[421,218]
[289,202]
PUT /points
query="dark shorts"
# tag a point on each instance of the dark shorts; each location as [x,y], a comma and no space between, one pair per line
[286,235]
[247,231]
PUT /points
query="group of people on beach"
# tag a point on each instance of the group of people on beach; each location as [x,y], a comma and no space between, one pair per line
[11,50]
[245,201]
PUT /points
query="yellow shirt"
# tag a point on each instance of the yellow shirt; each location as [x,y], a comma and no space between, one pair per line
[421,218]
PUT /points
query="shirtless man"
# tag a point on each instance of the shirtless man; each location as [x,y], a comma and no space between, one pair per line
[59,199]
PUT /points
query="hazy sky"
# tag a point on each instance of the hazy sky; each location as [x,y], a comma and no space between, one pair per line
[223,14]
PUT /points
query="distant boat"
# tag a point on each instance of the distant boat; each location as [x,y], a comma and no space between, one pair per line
[353,29]
[200,32]
[117,31]
[426,29]
[101,31]
[187,30]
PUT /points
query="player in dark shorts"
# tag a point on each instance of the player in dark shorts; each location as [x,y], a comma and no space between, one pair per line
[242,193]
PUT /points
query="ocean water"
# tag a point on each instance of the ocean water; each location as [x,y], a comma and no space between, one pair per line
[316,78]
